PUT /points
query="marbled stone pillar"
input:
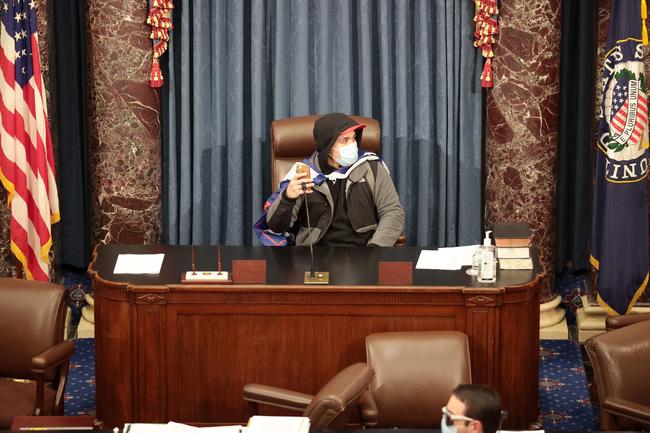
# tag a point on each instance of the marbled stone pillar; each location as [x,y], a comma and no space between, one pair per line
[6,257]
[44,16]
[124,124]
[522,123]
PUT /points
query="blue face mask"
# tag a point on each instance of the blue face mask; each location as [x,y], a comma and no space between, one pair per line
[348,154]
[444,428]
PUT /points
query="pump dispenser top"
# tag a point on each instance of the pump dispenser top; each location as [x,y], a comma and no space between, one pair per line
[488,266]
[487,241]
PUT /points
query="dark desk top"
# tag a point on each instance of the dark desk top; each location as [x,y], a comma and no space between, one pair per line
[348,266]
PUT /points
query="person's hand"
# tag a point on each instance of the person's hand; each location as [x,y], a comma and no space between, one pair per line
[294,189]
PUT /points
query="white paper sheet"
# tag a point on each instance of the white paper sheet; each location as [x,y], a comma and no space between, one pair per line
[143,428]
[451,259]
[174,427]
[278,424]
[138,263]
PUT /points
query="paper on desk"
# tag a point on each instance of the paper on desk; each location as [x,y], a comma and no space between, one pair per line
[174,427]
[143,428]
[451,259]
[278,424]
[138,263]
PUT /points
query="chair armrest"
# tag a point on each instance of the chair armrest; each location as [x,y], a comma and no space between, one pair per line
[368,410]
[401,240]
[628,409]
[53,357]
[278,397]
[616,322]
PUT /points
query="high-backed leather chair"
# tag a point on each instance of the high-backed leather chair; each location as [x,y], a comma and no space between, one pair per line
[415,373]
[292,140]
[621,363]
[32,349]
[331,406]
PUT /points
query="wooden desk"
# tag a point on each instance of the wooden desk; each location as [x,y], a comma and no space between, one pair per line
[84,422]
[166,351]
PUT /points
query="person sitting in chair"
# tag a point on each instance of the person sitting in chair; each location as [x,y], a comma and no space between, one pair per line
[351,197]
[472,409]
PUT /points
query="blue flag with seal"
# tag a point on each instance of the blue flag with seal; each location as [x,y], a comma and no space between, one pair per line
[619,232]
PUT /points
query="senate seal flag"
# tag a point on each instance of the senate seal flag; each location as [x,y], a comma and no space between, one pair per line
[619,232]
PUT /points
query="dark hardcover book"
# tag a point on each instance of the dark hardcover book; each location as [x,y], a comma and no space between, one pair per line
[511,234]
[511,230]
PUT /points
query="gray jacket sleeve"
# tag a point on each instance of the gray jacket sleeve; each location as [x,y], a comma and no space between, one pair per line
[389,210]
[282,213]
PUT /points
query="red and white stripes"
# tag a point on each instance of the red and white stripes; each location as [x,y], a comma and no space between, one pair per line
[26,160]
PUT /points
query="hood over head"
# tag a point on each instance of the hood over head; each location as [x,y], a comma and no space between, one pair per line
[328,128]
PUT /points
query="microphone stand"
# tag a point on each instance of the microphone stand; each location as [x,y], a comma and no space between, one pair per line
[312,277]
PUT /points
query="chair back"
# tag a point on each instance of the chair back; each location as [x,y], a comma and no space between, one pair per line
[337,401]
[415,373]
[621,363]
[292,140]
[32,316]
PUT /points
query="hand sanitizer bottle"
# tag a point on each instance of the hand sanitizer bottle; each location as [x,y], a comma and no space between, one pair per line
[488,266]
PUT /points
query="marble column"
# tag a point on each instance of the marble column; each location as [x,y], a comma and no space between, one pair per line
[124,124]
[522,123]
[6,257]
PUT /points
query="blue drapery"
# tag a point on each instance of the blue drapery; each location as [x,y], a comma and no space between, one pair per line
[235,65]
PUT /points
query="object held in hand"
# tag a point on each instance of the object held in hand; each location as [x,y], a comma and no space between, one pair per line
[304,170]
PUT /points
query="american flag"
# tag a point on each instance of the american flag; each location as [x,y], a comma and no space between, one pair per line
[621,112]
[26,158]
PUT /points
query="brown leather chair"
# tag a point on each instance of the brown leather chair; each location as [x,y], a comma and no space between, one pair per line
[331,406]
[415,373]
[621,363]
[32,349]
[616,322]
[292,140]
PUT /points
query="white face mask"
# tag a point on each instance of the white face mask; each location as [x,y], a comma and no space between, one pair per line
[348,154]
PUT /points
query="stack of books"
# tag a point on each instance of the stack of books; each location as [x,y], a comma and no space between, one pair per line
[513,245]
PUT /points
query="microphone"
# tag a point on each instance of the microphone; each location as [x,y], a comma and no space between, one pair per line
[311,276]
[311,244]
[193,262]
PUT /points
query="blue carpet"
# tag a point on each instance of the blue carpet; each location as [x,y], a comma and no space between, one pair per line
[563,394]
[564,402]
[79,394]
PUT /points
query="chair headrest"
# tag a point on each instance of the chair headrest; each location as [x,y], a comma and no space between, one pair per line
[293,137]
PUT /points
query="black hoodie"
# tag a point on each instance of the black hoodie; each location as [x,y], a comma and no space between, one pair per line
[326,130]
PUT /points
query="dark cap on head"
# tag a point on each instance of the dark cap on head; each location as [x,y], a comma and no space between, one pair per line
[328,128]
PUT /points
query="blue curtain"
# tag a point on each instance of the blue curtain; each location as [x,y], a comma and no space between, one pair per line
[235,65]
